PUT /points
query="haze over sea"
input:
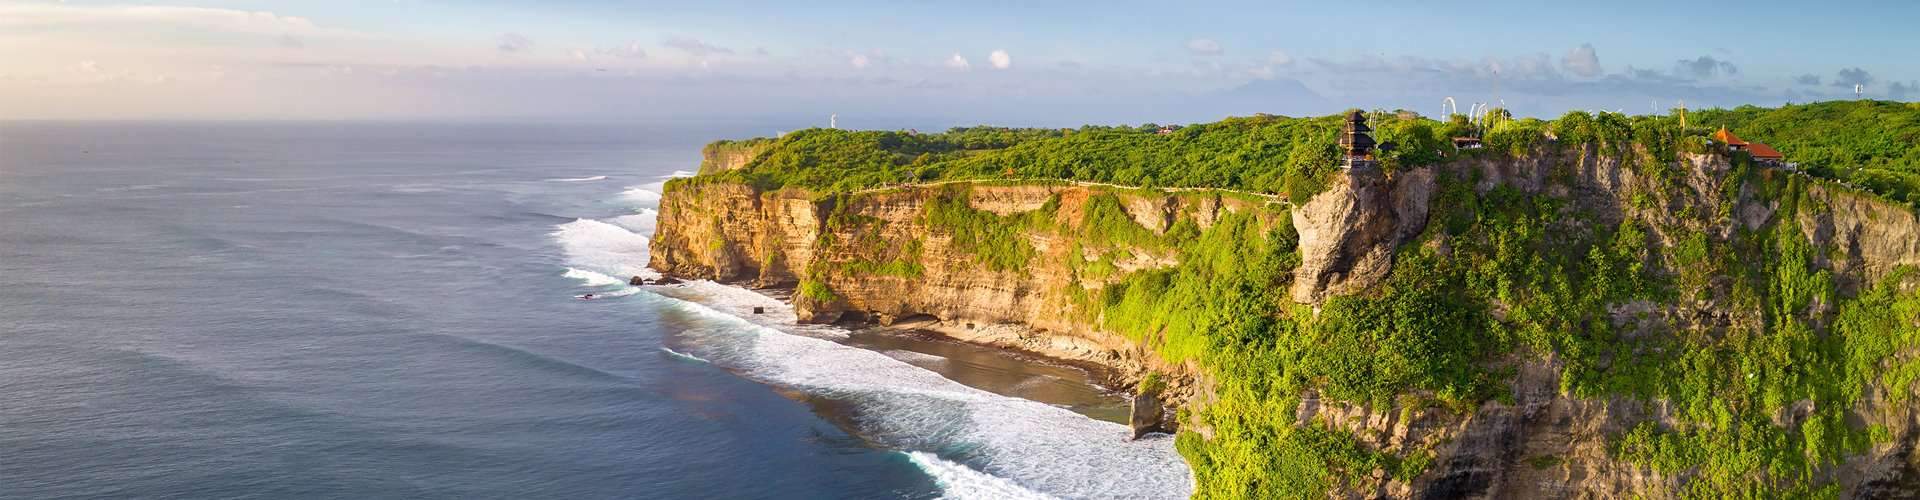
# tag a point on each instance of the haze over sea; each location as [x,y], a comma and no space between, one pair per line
[364,310]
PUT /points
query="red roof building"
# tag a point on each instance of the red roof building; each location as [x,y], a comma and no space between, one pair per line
[1725,137]
[1759,151]
[1763,152]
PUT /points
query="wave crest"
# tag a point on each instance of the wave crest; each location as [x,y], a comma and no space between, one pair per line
[603,248]
[591,278]
[960,482]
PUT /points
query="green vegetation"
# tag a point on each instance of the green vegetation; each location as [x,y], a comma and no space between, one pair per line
[1152,384]
[1873,144]
[998,242]
[1412,341]
[1263,154]
[816,291]
[726,151]
[1758,348]
[873,253]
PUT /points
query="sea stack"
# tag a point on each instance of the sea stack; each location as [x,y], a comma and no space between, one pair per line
[1148,412]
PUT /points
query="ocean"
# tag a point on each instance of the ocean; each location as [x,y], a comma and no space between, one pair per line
[386,310]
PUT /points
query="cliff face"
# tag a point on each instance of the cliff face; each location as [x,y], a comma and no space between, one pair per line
[732,233]
[731,155]
[1349,232]
[888,255]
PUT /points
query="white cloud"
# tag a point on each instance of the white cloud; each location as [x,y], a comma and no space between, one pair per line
[514,42]
[1703,68]
[1582,61]
[58,16]
[1204,47]
[1000,59]
[628,51]
[1853,76]
[959,62]
[1280,58]
[859,61]
[695,47]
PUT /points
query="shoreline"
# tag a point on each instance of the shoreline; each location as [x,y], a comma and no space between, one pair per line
[1017,339]
[1013,339]
[991,411]
[1114,373]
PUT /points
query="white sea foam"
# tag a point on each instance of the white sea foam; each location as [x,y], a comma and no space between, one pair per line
[648,194]
[604,248]
[1025,444]
[738,303]
[915,357]
[592,278]
[962,483]
[642,221]
[580,179]
[137,187]
[682,355]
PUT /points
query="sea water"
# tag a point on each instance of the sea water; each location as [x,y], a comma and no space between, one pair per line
[359,310]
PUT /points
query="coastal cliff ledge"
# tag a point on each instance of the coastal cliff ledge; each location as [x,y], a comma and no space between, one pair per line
[1659,264]
[953,255]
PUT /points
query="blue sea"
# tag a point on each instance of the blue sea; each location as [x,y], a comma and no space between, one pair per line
[384,310]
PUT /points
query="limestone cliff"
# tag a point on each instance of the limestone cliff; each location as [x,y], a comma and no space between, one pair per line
[733,233]
[886,255]
[731,155]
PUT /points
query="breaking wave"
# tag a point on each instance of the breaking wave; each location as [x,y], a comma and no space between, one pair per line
[592,278]
[642,194]
[962,483]
[642,221]
[603,248]
[975,443]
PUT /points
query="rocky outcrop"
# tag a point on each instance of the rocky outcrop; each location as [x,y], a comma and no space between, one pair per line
[1349,232]
[731,155]
[1148,414]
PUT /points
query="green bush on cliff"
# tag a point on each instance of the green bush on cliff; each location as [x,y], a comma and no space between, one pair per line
[872,253]
[1559,282]
[998,242]
[816,291]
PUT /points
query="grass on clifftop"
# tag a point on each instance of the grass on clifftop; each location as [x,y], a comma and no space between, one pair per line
[1872,144]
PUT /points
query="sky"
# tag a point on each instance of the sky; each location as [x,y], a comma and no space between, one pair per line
[1051,63]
